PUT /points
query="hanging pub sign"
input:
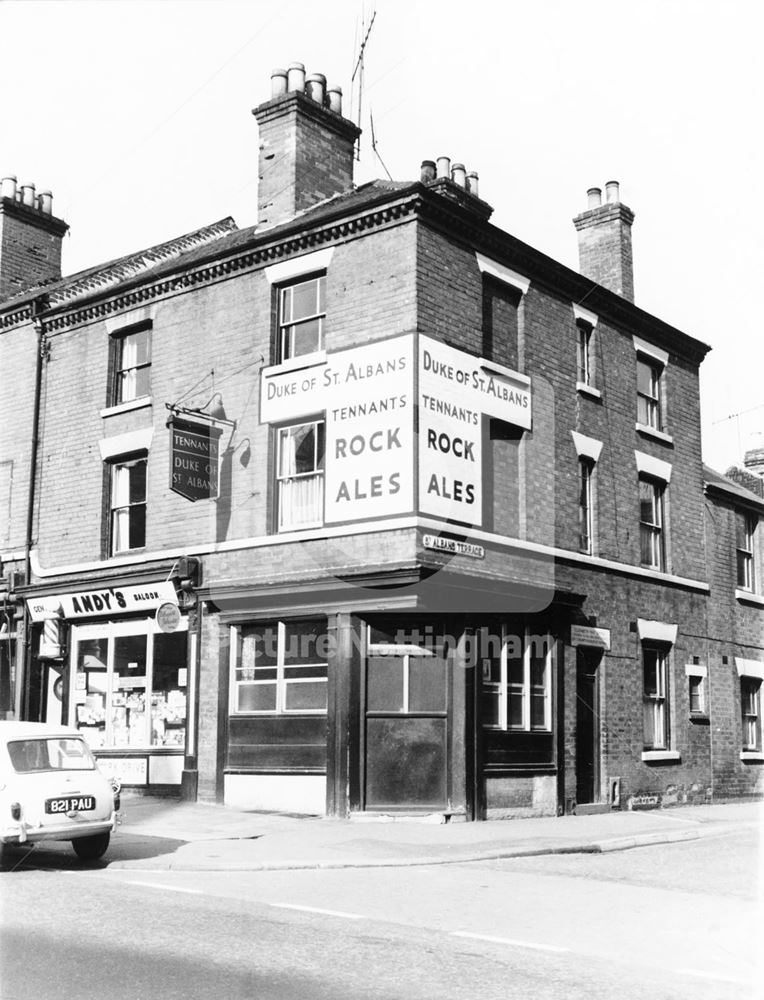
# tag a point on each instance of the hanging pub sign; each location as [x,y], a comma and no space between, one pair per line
[194,459]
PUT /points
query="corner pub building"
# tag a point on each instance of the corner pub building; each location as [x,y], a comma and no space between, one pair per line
[368,507]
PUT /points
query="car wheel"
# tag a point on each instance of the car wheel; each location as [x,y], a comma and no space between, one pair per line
[91,848]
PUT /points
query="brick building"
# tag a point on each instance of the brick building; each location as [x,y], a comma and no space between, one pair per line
[372,506]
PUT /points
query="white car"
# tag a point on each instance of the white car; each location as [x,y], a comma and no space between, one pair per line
[51,789]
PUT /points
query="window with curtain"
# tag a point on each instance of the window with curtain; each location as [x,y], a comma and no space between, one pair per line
[517,680]
[300,475]
[280,667]
[128,505]
[133,365]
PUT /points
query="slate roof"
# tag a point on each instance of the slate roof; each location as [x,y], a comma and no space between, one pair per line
[717,481]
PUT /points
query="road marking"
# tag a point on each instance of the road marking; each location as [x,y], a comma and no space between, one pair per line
[315,909]
[501,940]
[713,975]
[161,885]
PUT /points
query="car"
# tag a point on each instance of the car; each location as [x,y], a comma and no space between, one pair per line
[51,790]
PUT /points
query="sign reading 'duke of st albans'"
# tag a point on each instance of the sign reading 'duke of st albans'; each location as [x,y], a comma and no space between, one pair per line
[373,457]
[194,459]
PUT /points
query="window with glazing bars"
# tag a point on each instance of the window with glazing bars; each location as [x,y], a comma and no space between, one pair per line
[132,377]
[654,698]
[745,527]
[128,505]
[649,393]
[300,475]
[652,548]
[301,315]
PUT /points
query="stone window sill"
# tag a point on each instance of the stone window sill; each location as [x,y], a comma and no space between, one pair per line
[659,755]
[751,598]
[131,404]
[653,433]
[588,390]
[752,755]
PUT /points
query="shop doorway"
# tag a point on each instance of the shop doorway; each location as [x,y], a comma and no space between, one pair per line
[587,726]
[405,763]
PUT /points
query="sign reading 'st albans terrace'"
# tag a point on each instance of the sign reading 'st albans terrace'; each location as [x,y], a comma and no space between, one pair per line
[403,422]
[194,459]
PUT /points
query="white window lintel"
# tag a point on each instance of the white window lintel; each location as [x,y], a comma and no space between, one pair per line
[584,315]
[656,631]
[285,270]
[749,668]
[649,466]
[125,444]
[120,322]
[695,670]
[502,273]
[650,351]
[586,447]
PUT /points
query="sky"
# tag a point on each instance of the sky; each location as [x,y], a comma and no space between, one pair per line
[137,116]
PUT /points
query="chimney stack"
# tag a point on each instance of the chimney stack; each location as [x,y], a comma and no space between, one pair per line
[604,241]
[306,146]
[30,238]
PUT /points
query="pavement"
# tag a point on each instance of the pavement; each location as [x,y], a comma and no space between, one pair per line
[165,834]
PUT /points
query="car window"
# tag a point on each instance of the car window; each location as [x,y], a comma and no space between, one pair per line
[61,753]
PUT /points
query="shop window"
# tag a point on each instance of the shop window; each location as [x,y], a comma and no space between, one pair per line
[649,377]
[132,364]
[128,505]
[517,679]
[405,671]
[300,475]
[651,536]
[750,698]
[655,697]
[280,667]
[745,529]
[129,687]
[301,315]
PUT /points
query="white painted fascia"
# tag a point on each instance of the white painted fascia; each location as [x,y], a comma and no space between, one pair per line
[285,270]
[125,444]
[502,273]
[647,465]
[586,447]
[653,631]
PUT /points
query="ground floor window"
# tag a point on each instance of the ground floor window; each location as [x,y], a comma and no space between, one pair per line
[279,667]
[654,697]
[517,679]
[128,685]
[750,695]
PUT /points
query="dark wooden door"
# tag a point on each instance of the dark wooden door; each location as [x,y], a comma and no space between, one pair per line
[405,738]
[587,727]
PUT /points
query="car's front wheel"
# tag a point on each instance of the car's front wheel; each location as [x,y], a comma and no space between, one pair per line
[91,848]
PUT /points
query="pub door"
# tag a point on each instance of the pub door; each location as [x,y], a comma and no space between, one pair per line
[405,720]
[587,725]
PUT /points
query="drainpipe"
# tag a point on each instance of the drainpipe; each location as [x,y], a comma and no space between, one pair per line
[24,653]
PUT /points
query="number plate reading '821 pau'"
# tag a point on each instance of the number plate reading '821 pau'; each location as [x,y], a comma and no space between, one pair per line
[70,803]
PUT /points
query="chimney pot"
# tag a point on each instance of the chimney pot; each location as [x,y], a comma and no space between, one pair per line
[427,172]
[611,191]
[296,77]
[594,196]
[334,96]
[459,174]
[8,187]
[278,82]
[472,182]
[28,195]
[315,87]
[45,201]
[444,166]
